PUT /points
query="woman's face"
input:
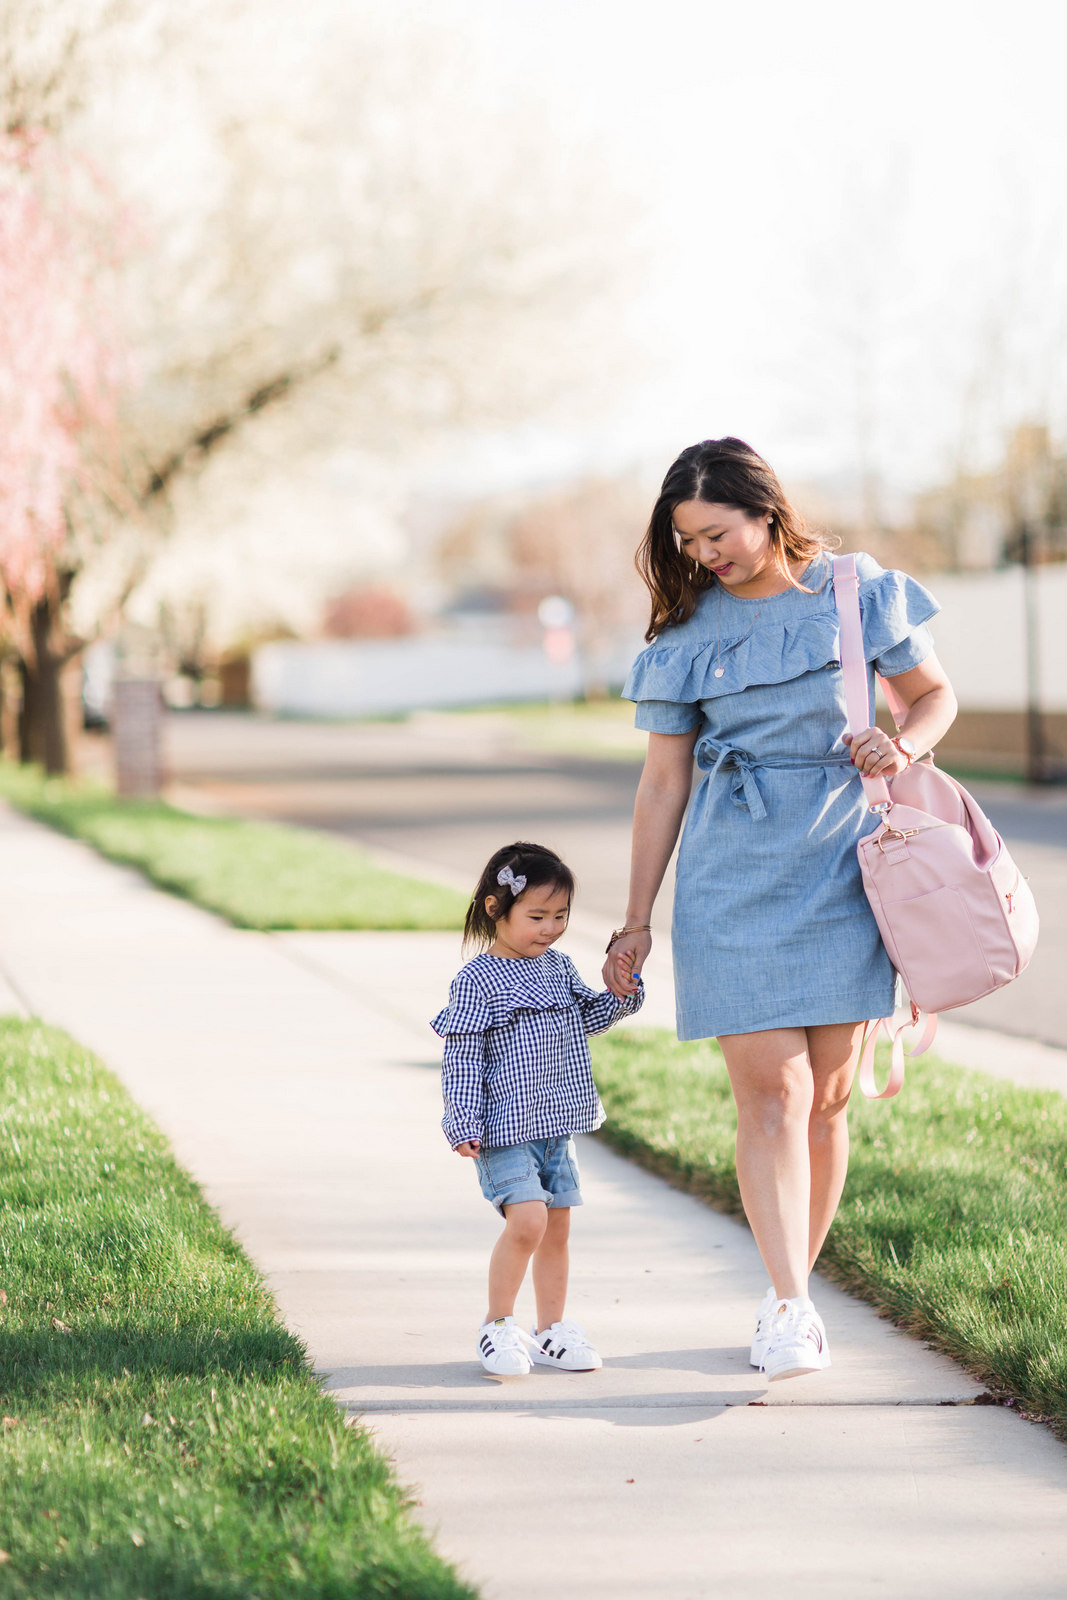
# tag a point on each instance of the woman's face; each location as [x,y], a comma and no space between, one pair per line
[728,542]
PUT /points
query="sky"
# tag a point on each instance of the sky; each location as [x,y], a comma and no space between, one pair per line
[848,221]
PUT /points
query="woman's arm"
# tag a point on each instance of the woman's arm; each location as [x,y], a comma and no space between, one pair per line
[662,796]
[927,693]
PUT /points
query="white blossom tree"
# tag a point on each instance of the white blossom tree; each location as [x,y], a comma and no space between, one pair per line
[332,225]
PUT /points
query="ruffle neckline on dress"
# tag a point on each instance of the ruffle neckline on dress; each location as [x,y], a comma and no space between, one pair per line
[797,633]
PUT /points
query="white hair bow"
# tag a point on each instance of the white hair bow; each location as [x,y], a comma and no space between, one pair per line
[508,879]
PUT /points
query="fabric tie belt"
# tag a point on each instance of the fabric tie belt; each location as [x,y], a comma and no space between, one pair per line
[713,757]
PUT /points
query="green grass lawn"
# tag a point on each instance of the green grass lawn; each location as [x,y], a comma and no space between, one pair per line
[256,874]
[162,1434]
[954,1219]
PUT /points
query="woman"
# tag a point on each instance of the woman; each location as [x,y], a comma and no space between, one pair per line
[776,953]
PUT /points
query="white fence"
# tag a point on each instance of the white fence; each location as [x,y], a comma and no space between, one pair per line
[981,636]
[358,678]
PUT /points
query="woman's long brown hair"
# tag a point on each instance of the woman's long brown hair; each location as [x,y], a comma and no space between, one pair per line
[724,472]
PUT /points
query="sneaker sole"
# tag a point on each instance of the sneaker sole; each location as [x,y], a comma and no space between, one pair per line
[798,1368]
[562,1366]
[791,1372]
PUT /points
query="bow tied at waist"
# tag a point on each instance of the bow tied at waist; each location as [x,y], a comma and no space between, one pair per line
[714,757]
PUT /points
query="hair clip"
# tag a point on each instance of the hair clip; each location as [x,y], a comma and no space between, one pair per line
[506,877]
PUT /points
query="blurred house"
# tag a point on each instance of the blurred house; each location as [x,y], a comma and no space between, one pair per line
[983,635]
[536,599]
[477,651]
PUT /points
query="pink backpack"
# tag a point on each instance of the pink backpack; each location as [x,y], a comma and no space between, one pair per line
[955,914]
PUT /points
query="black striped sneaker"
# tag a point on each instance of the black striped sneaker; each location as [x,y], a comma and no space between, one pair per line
[504,1349]
[565,1345]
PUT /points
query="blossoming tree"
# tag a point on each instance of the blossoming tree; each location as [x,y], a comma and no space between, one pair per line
[62,375]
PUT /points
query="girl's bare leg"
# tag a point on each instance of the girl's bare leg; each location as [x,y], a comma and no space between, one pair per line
[772,1083]
[833,1052]
[551,1265]
[525,1224]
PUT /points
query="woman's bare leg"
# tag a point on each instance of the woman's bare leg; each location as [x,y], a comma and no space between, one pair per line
[833,1052]
[771,1077]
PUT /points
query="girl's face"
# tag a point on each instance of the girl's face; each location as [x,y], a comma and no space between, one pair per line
[728,542]
[534,922]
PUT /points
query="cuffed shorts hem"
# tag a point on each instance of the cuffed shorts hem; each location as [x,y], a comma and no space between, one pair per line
[541,1169]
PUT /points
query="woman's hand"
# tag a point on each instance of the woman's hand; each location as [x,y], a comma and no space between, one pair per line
[625,959]
[469,1147]
[874,754]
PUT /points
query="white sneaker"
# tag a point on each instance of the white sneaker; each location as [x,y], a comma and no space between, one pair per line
[798,1341]
[764,1320]
[504,1348]
[565,1345]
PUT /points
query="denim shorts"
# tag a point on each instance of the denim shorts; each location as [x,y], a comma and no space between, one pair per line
[540,1169]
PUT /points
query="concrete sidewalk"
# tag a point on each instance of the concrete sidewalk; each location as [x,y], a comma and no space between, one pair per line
[297,1079]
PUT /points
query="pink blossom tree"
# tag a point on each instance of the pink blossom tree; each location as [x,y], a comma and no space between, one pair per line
[62,376]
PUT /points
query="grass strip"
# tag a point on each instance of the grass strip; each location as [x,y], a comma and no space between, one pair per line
[954,1217]
[256,874]
[162,1432]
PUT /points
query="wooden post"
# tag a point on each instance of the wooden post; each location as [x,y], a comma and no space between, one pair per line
[137,719]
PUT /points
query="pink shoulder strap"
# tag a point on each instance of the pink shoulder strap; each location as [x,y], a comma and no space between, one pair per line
[858,715]
[854,668]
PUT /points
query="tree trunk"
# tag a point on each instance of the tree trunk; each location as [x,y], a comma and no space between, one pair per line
[44,732]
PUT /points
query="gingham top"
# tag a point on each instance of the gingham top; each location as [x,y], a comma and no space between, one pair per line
[516,1060]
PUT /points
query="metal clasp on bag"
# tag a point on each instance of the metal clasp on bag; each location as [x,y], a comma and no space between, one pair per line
[894,833]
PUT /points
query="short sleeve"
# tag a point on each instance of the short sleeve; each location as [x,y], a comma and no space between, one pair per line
[911,652]
[667,716]
[895,610]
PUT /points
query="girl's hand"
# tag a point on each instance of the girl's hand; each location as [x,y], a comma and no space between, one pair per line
[469,1147]
[625,959]
[874,754]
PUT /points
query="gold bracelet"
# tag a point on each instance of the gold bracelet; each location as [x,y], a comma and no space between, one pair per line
[644,927]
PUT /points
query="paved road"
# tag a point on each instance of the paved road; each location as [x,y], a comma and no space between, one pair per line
[446,792]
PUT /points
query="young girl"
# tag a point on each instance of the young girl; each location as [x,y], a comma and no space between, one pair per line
[517,1084]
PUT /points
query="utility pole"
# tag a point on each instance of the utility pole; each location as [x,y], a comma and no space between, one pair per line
[1037,765]
[1030,490]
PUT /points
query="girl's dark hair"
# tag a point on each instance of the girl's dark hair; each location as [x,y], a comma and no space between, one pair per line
[724,472]
[534,862]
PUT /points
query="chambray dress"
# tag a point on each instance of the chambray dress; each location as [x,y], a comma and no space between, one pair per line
[771,925]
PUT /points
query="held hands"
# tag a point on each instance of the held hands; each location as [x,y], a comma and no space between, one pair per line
[874,754]
[469,1147]
[625,959]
